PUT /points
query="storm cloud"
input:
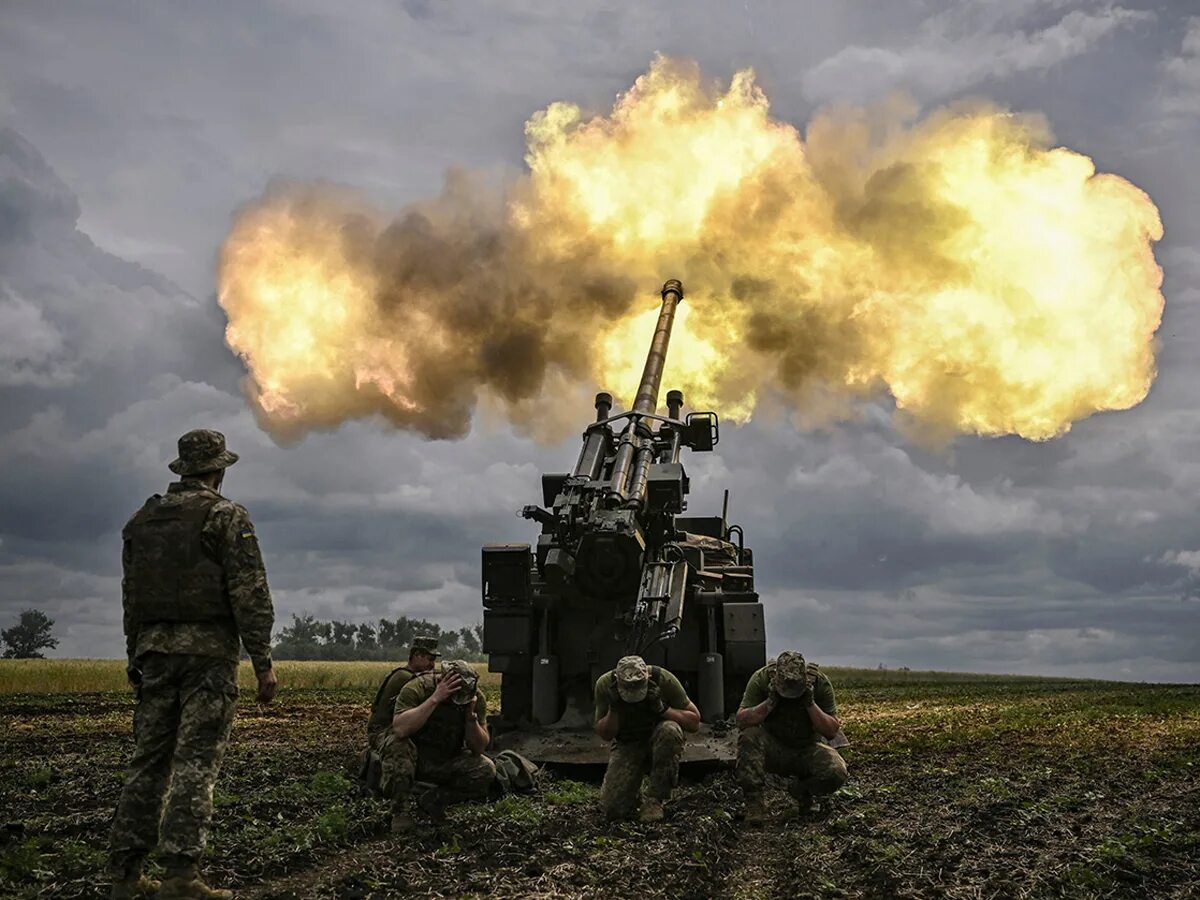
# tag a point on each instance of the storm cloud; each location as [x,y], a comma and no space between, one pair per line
[122,161]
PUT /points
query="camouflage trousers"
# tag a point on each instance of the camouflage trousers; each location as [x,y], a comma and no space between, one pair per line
[818,768]
[629,763]
[464,776]
[181,727]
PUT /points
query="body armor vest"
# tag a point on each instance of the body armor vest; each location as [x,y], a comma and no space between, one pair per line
[637,720]
[382,712]
[170,578]
[444,734]
[789,722]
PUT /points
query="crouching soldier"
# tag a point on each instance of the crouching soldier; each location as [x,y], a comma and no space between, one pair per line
[644,710]
[440,733]
[787,707]
[422,656]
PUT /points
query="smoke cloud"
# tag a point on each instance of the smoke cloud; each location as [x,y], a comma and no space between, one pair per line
[990,282]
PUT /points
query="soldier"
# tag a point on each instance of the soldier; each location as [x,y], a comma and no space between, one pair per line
[787,708]
[381,741]
[644,710]
[193,585]
[440,730]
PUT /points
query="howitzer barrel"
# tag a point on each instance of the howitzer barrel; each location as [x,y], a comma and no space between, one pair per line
[647,395]
[646,402]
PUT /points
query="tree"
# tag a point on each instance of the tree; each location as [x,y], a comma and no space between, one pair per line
[29,636]
[366,642]
[302,639]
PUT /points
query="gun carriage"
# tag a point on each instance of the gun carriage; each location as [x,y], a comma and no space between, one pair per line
[617,569]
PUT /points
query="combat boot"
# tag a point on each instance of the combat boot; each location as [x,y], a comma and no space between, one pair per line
[433,803]
[185,883]
[756,811]
[804,798]
[403,823]
[652,810]
[134,886]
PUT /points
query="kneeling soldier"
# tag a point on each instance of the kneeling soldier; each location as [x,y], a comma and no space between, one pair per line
[788,705]
[381,742]
[440,732]
[646,710]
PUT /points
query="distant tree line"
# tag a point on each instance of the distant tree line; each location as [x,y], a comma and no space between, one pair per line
[311,638]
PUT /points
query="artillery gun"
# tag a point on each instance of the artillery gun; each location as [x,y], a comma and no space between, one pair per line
[619,569]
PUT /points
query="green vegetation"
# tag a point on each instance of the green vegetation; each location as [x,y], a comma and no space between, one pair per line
[961,787]
[310,638]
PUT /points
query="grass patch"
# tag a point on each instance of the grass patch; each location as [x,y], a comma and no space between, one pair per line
[517,808]
[571,793]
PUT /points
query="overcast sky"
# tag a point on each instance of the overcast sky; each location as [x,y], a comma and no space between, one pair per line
[129,133]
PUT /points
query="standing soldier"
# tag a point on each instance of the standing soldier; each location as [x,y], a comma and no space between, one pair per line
[381,741]
[193,585]
[787,707]
[646,710]
[441,731]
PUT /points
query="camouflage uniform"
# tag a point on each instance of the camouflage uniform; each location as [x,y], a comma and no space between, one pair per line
[437,752]
[380,740]
[193,586]
[645,742]
[786,743]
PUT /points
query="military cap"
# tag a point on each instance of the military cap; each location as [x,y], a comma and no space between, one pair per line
[202,450]
[425,645]
[633,678]
[470,679]
[791,675]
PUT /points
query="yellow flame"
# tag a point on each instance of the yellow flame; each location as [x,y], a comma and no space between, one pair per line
[992,283]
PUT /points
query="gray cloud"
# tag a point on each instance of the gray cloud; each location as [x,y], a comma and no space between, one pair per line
[1076,556]
[968,43]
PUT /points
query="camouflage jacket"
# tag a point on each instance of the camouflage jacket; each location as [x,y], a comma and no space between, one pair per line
[228,539]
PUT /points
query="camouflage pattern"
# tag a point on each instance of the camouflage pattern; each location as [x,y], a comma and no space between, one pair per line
[630,762]
[169,577]
[789,675]
[633,678]
[467,675]
[636,720]
[443,735]
[186,668]
[200,451]
[790,722]
[438,752]
[819,770]
[463,775]
[181,727]
[227,539]
[425,644]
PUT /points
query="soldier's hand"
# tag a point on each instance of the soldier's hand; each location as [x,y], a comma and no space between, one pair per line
[654,699]
[807,698]
[267,685]
[445,687]
[772,698]
[811,671]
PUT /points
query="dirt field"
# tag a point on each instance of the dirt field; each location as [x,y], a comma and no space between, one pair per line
[960,787]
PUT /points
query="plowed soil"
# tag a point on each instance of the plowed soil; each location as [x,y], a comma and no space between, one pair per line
[960,787]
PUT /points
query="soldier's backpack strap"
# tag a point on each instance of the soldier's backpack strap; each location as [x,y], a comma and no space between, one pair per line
[383,685]
[655,671]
